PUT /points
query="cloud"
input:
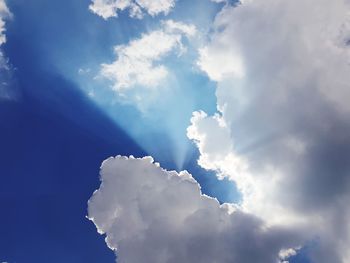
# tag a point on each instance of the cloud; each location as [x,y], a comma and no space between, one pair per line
[152,215]
[7,89]
[137,63]
[220,1]
[137,8]
[4,14]
[282,127]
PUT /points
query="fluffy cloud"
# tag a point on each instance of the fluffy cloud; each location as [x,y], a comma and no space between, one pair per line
[138,62]
[282,128]
[152,215]
[110,8]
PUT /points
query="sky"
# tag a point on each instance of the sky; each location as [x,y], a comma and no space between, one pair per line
[165,131]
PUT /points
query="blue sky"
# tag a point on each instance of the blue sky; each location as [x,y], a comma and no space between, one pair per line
[210,87]
[54,136]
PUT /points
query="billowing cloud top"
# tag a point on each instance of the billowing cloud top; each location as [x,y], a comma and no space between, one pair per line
[153,215]
[110,8]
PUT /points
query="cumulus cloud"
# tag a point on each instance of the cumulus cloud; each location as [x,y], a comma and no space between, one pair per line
[137,8]
[152,215]
[138,62]
[282,127]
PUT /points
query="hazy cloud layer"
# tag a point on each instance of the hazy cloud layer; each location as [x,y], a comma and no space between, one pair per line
[137,8]
[152,215]
[283,129]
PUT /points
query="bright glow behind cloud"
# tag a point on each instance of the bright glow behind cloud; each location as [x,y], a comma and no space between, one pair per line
[281,133]
[286,135]
[147,90]
[143,77]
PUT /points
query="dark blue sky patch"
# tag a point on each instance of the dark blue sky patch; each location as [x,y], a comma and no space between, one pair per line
[49,166]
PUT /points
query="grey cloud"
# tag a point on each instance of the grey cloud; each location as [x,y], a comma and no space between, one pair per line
[152,215]
[288,113]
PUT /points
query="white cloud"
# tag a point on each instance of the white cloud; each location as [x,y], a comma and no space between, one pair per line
[173,27]
[219,62]
[154,216]
[282,73]
[135,64]
[7,89]
[219,1]
[4,14]
[138,62]
[110,8]
[155,7]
